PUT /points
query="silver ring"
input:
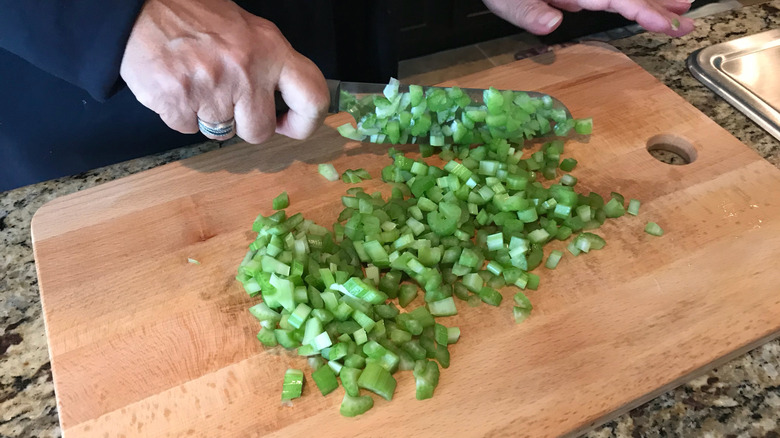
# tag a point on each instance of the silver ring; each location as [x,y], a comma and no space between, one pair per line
[221,129]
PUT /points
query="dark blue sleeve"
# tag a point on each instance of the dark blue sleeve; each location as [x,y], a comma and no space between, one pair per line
[80,41]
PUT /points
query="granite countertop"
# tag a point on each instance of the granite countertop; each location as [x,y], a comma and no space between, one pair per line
[738,399]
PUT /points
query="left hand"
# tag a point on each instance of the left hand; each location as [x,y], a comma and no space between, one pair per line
[543,16]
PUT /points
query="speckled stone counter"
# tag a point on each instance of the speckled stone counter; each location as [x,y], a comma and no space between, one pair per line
[739,399]
[742,397]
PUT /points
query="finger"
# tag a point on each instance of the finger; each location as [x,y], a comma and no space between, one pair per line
[255,116]
[657,18]
[168,98]
[296,125]
[678,7]
[180,118]
[566,5]
[686,26]
[177,116]
[211,99]
[304,90]
[535,16]
[647,14]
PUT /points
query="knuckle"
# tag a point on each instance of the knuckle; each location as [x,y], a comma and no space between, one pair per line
[271,38]
[241,59]
[176,87]
[266,48]
[210,74]
[268,28]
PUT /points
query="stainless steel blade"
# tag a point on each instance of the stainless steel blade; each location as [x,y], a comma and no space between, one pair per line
[364,90]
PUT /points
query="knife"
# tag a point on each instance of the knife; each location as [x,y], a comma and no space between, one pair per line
[347,96]
[360,90]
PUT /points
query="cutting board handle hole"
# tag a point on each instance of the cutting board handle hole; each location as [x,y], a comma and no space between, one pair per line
[671,149]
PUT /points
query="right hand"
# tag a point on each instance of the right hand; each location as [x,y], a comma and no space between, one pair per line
[210,59]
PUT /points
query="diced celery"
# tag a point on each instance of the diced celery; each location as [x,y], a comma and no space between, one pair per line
[654,229]
[633,207]
[292,385]
[325,379]
[354,406]
[328,171]
[378,380]
[443,307]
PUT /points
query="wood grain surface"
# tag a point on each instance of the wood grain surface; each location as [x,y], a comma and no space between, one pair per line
[144,343]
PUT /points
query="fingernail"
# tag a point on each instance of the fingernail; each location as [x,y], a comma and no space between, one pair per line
[675,24]
[549,19]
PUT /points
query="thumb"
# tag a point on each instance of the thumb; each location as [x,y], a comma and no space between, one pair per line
[535,16]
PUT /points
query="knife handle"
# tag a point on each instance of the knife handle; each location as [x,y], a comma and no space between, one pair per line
[333,89]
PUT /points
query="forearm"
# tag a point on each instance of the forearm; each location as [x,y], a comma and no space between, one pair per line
[81,41]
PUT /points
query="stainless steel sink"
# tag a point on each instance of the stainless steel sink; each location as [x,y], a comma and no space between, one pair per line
[745,73]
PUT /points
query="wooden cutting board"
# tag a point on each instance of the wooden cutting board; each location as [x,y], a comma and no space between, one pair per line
[144,343]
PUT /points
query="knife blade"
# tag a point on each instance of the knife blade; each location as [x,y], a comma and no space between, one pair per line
[344,93]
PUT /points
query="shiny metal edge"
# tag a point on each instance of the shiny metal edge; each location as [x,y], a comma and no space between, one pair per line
[704,66]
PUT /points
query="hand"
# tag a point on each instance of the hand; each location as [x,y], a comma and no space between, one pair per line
[543,16]
[211,59]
